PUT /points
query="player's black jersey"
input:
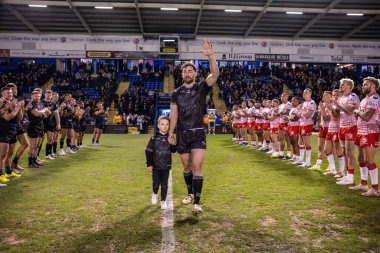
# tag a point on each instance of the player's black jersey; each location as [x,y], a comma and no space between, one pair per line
[33,120]
[4,124]
[158,152]
[68,109]
[100,118]
[52,107]
[191,103]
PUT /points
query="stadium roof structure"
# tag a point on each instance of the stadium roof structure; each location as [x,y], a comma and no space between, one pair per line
[286,19]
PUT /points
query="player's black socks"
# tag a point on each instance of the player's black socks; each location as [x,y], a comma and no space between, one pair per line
[30,160]
[8,170]
[68,142]
[48,149]
[39,149]
[54,147]
[15,160]
[61,141]
[197,185]
[189,181]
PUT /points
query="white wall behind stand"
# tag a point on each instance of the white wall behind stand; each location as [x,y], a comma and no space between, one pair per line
[75,46]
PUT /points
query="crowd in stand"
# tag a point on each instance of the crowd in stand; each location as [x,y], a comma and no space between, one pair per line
[27,75]
[146,71]
[238,83]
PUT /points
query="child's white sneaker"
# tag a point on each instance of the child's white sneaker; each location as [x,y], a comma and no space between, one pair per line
[164,205]
[154,199]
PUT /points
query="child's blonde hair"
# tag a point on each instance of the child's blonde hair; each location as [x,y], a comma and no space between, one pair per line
[162,118]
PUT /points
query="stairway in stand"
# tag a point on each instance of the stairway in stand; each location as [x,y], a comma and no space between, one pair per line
[112,111]
[151,130]
[220,105]
[49,84]
[169,80]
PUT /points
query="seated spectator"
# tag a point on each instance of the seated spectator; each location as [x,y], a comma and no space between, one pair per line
[117,119]
[124,119]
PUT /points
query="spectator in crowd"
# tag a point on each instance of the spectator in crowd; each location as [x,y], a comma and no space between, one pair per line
[117,119]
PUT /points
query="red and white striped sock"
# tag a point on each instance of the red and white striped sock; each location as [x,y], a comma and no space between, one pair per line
[350,174]
[330,158]
[363,173]
[341,163]
[374,173]
[302,153]
[319,161]
[308,155]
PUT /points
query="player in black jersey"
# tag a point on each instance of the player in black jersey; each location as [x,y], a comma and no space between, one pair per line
[100,114]
[55,99]
[66,125]
[39,161]
[82,123]
[187,109]
[51,123]
[73,139]
[20,133]
[75,126]
[9,109]
[36,113]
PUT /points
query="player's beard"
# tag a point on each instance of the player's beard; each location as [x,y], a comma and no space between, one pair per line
[366,91]
[188,80]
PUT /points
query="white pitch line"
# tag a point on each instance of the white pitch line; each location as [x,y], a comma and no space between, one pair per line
[167,221]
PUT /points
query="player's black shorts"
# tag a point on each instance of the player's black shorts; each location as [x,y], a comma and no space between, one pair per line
[100,126]
[19,129]
[49,127]
[82,128]
[191,139]
[67,124]
[9,136]
[35,132]
[76,127]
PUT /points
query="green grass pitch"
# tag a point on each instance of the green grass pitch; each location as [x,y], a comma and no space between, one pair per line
[98,200]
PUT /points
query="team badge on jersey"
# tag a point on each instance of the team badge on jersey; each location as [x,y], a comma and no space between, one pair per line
[364,140]
[349,135]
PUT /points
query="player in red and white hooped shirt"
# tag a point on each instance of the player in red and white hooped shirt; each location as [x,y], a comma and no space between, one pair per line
[308,110]
[243,123]
[251,122]
[261,116]
[283,136]
[236,123]
[258,124]
[332,140]
[267,114]
[274,123]
[265,125]
[367,138]
[346,105]
[294,126]
[322,123]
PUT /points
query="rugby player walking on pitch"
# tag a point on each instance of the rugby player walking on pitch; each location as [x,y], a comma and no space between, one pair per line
[187,109]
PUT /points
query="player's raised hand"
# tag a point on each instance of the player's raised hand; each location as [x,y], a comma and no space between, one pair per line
[207,48]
